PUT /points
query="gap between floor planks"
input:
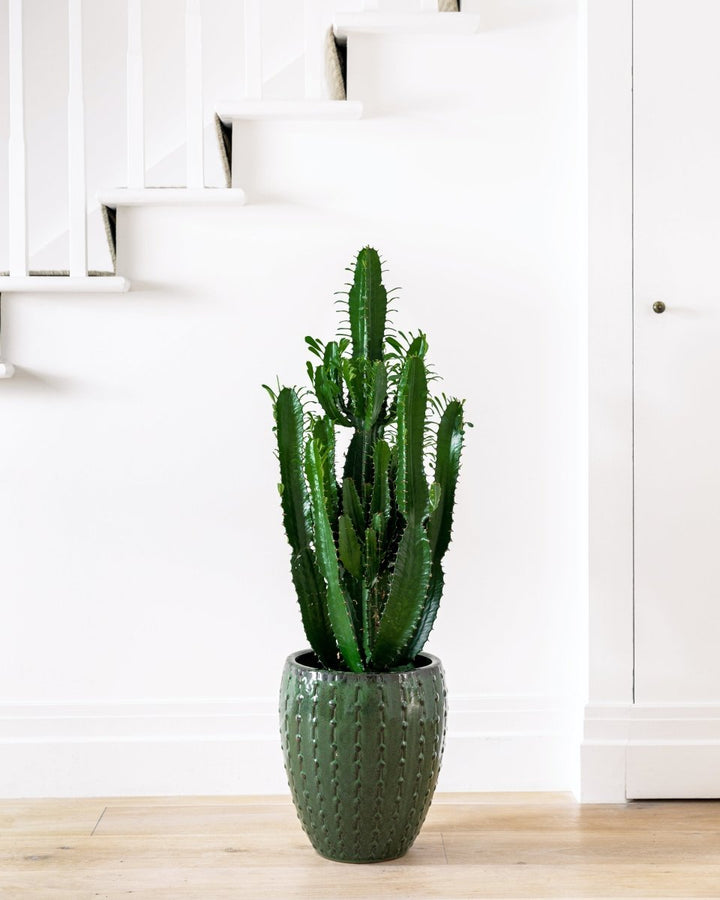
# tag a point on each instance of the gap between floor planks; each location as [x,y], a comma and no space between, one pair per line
[472,845]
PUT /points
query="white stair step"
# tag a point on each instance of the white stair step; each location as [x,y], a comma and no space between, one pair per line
[170,196]
[326,110]
[405,23]
[63,284]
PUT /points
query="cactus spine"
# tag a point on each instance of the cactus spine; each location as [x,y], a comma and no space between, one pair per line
[367,553]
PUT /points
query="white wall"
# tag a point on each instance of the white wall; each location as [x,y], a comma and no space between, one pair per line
[146,593]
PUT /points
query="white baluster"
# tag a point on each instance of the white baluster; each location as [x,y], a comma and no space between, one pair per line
[17,184]
[77,191]
[194,95]
[253,50]
[318,16]
[134,102]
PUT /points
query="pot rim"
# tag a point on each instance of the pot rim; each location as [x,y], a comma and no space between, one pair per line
[434,664]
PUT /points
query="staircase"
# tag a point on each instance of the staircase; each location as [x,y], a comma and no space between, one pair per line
[329,37]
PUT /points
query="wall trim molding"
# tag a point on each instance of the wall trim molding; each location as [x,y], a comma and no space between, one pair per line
[608,57]
[208,747]
[650,751]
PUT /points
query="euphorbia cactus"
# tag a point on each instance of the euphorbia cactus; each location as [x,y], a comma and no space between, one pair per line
[367,552]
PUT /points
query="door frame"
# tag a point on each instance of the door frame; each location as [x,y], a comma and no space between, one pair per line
[606,43]
[629,750]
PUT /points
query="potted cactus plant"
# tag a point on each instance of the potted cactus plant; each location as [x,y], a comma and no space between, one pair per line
[363,712]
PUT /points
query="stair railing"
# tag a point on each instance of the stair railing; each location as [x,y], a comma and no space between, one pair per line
[194,116]
[17,153]
[135,104]
[253,35]
[317,19]
[77,184]
[194,112]
[17,181]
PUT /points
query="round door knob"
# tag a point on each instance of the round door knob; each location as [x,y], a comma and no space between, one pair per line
[658,307]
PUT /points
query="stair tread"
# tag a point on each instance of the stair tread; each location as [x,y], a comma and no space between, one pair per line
[64,284]
[229,110]
[171,196]
[405,23]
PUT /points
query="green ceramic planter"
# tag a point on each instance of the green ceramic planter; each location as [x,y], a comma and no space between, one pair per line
[362,754]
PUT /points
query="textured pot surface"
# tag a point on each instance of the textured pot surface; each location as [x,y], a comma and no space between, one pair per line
[362,754]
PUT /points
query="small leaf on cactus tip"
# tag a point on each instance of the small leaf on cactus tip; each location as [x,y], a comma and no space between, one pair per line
[419,346]
[315,346]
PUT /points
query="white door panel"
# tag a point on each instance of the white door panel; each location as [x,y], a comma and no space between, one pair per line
[676,76]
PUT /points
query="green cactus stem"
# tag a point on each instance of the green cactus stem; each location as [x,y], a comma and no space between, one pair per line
[366,554]
[309,586]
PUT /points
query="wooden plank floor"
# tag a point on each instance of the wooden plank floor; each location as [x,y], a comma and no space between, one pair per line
[472,845]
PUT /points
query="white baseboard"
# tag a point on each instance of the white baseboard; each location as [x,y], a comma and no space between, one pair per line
[232,747]
[650,751]
[140,748]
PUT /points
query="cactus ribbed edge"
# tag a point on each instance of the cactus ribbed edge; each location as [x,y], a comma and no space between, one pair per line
[362,754]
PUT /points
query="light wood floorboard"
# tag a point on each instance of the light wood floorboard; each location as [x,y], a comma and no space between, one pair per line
[472,846]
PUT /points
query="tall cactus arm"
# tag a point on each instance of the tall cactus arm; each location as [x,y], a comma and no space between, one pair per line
[367,304]
[309,586]
[290,439]
[324,434]
[311,594]
[352,506]
[375,392]
[412,398]
[447,467]
[352,376]
[367,388]
[395,521]
[430,609]
[408,588]
[372,556]
[338,603]
[406,599]
[366,619]
[358,460]
[349,548]
[380,502]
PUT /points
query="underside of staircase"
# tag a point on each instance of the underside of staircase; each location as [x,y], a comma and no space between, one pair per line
[230,118]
